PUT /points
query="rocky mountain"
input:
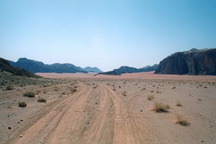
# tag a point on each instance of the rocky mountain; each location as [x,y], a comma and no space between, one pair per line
[37,66]
[193,62]
[126,69]
[92,69]
[5,66]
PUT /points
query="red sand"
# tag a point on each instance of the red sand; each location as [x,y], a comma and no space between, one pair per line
[143,75]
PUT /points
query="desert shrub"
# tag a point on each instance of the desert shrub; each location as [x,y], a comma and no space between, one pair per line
[73,90]
[150,97]
[182,121]
[22,85]
[56,89]
[9,88]
[22,104]
[178,104]
[41,100]
[160,107]
[124,93]
[29,94]
[63,93]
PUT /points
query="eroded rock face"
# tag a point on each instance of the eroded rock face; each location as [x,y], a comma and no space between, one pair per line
[5,66]
[193,62]
[127,69]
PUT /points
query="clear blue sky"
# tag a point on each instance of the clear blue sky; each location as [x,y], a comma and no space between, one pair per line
[104,33]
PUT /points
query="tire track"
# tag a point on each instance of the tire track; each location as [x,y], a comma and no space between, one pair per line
[41,129]
[126,131]
[100,128]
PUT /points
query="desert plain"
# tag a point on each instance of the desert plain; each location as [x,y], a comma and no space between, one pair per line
[138,108]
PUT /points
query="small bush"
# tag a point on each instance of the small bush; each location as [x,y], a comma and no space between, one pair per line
[124,93]
[29,94]
[151,97]
[9,88]
[178,104]
[73,90]
[41,100]
[56,89]
[182,121]
[160,107]
[22,104]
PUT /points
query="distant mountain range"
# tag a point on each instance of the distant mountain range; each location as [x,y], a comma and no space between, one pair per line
[192,62]
[92,69]
[126,69]
[37,66]
[5,66]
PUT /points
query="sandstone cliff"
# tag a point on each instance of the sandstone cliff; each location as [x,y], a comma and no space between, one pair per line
[193,62]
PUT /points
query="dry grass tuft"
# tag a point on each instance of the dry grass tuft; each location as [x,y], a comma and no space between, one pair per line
[73,90]
[29,94]
[178,103]
[22,104]
[9,88]
[41,100]
[161,108]
[150,97]
[182,121]
[56,89]
[124,93]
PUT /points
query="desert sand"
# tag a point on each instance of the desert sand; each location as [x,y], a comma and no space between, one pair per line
[89,109]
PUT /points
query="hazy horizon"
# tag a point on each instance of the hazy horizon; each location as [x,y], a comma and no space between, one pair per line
[104,34]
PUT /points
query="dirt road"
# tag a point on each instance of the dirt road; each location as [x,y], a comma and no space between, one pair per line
[83,118]
[99,113]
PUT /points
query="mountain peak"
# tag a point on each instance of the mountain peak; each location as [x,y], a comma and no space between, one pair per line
[92,69]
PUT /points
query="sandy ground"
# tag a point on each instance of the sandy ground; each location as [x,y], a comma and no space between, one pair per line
[111,109]
[143,75]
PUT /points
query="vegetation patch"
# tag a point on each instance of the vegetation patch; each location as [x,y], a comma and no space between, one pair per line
[150,97]
[178,104]
[161,108]
[29,94]
[42,100]
[22,104]
[73,90]
[182,121]
[124,93]
[9,88]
